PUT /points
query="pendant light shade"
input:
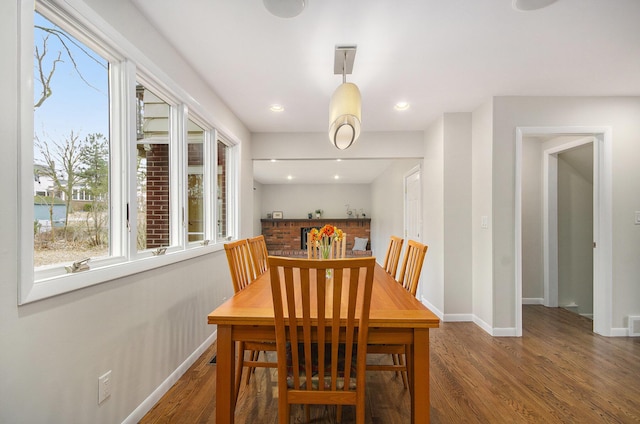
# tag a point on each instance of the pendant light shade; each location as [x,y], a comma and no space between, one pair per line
[345,111]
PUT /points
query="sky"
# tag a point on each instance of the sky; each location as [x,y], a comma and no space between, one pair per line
[74,105]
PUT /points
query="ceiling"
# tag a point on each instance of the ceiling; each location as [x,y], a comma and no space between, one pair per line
[440,56]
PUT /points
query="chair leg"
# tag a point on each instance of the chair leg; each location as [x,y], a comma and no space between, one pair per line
[401,361]
[239,362]
[253,356]
[339,414]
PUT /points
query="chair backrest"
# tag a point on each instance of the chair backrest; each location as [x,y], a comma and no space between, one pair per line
[240,266]
[333,312]
[258,248]
[338,248]
[412,266]
[392,257]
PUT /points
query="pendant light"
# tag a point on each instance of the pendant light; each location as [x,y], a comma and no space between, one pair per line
[345,109]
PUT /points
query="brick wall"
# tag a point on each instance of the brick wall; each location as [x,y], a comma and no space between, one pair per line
[158,196]
[284,234]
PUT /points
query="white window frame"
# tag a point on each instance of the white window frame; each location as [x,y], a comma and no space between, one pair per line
[127,64]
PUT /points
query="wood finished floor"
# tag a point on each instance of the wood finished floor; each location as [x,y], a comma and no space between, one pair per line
[558,372]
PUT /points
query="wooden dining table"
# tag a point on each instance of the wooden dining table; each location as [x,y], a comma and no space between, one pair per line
[396,317]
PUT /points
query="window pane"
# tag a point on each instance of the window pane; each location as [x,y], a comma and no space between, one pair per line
[223,190]
[152,170]
[71,148]
[195,179]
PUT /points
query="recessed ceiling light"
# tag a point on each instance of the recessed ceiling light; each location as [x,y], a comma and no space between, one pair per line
[276,108]
[336,177]
[338,160]
[401,106]
[289,177]
[273,160]
[527,5]
[285,8]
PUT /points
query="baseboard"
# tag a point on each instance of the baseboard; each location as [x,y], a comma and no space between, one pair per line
[533,301]
[163,388]
[432,308]
[458,318]
[480,323]
[619,332]
[505,332]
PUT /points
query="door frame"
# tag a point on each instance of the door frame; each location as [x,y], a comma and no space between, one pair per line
[416,170]
[602,221]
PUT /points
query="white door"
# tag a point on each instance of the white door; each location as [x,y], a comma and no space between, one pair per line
[412,205]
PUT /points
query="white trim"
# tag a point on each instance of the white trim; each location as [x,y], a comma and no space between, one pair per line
[483,325]
[507,332]
[602,278]
[163,388]
[458,318]
[432,308]
[533,301]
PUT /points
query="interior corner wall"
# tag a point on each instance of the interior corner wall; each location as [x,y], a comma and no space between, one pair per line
[431,289]
[457,216]
[258,189]
[482,133]
[387,205]
[619,113]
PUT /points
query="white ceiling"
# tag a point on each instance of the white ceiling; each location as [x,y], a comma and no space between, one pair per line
[439,55]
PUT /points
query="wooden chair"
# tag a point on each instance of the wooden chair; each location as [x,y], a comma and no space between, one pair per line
[392,257]
[335,313]
[409,277]
[242,274]
[412,266]
[258,249]
[338,248]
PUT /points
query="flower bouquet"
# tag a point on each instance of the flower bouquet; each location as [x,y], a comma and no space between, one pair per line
[323,240]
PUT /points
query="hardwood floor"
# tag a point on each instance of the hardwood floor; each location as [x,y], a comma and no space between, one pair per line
[558,372]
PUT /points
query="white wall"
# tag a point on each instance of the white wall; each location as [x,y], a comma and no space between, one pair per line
[297,200]
[457,216]
[621,114]
[387,205]
[532,236]
[482,206]
[142,327]
[433,212]
[399,144]
[575,237]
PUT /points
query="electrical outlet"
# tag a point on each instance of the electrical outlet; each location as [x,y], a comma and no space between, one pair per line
[104,387]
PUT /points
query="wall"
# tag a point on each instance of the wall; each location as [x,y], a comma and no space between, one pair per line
[399,144]
[387,206]
[297,200]
[575,237]
[482,206]
[142,327]
[621,114]
[532,230]
[457,216]
[433,212]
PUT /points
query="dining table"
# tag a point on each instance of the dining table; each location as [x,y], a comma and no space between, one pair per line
[395,317]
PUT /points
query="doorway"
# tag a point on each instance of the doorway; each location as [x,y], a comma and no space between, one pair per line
[413,208]
[600,137]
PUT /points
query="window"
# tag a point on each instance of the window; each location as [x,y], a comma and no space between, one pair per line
[153,183]
[71,147]
[116,167]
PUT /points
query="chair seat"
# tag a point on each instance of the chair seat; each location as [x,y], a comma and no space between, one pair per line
[315,378]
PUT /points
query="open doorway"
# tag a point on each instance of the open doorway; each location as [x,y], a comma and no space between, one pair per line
[560,150]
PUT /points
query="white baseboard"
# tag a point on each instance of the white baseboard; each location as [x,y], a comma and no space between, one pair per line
[432,308]
[505,332]
[480,323]
[533,301]
[458,318]
[619,332]
[163,388]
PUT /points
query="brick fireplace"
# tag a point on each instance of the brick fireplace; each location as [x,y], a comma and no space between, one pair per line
[286,237]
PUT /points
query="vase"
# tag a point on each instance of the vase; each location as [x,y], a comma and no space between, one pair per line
[324,252]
